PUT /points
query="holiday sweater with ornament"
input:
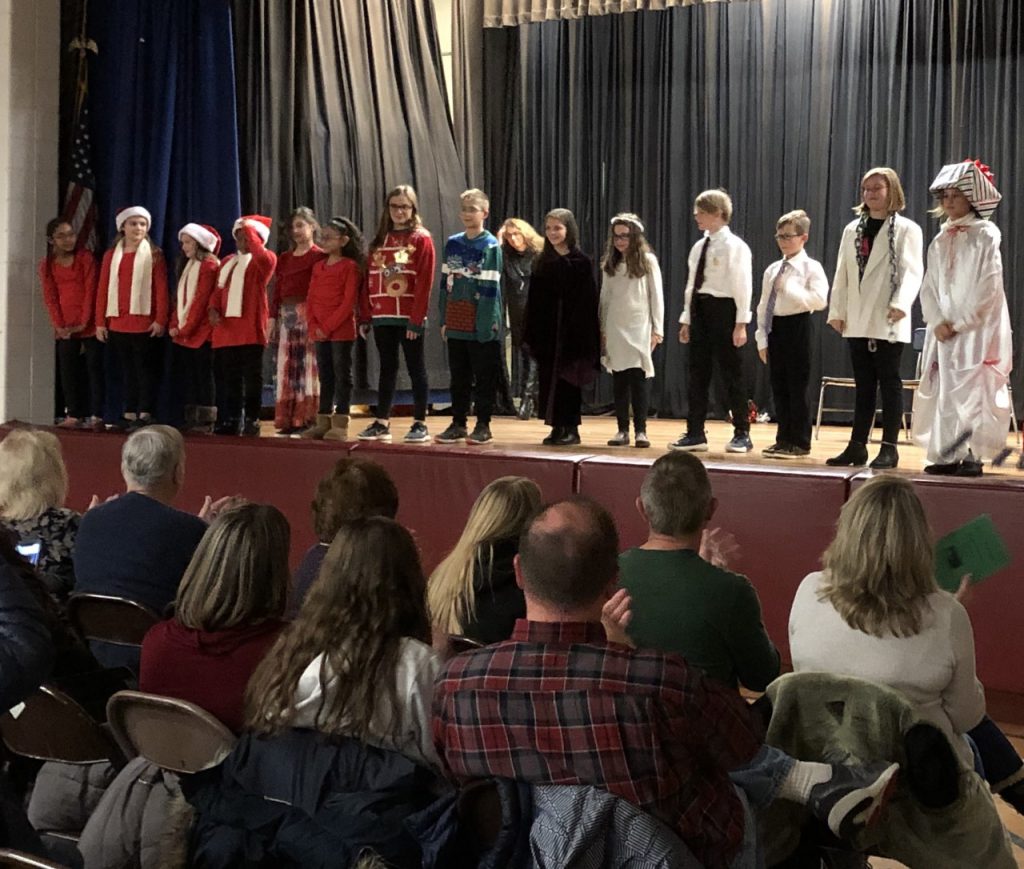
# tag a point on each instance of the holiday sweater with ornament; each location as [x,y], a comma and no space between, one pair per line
[399,275]
[470,297]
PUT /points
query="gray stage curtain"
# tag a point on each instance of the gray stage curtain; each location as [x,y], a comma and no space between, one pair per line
[510,13]
[337,103]
[783,104]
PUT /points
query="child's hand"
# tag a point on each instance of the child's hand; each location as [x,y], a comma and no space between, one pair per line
[321,335]
[411,335]
[895,315]
[655,341]
[214,316]
[364,331]
[444,333]
[763,353]
[684,333]
[155,329]
[616,615]
[173,332]
[838,325]
[101,334]
[944,332]
[739,335]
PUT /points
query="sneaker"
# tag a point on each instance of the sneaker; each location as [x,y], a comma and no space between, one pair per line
[621,439]
[452,435]
[418,434]
[375,431]
[789,451]
[740,443]
[772,451]
[854,797]
[642,440]
[690,442]
[481,435]
[251,429]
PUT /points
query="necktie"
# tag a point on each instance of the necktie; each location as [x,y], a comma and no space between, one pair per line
[769,311]
[698,278]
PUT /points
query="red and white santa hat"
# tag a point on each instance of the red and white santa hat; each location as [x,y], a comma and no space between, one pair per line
[257,221]
[975,180]
[205,236]
[131,211]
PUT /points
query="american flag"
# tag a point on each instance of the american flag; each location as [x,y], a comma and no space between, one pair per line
[79,202]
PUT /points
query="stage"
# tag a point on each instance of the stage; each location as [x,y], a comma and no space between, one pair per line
[782,513]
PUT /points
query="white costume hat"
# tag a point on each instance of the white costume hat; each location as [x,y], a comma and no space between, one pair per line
[206,236]
[132,211]
[975,180]
[257,221]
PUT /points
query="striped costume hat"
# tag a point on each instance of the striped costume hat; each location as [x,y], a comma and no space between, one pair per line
[975,180]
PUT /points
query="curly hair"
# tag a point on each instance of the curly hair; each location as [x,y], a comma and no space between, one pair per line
[353,489]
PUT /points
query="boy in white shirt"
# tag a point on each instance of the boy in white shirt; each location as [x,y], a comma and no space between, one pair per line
[716,311]
[791,290]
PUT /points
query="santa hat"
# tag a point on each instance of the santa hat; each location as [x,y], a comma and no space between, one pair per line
[257,221]
[975,180]
[131,211]
[205,236]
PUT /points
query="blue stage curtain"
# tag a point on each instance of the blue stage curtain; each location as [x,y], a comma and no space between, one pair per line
[163,124]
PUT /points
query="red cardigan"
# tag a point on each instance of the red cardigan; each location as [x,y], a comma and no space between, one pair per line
[291,277]
[197,328]
[331,304]
[251,327]
[70,292]
[127,322]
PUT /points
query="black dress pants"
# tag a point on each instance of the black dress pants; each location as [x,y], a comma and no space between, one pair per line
[474,367]
[195,368]
[876,365]
[712,321]
[789,364]
[240,381]
[138,355]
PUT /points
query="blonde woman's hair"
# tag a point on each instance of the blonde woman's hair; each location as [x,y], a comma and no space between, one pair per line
[534,240]
[503,509]
[715,202]
[880,568]
[32,474]
[897,201]
[239,572]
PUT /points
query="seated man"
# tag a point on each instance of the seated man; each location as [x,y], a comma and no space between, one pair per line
[137,545]
[559,703]
[682,603]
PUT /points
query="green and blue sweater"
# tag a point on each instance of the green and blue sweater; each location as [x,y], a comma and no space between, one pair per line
[470,297]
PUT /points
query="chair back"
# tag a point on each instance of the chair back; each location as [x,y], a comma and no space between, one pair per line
[110,619]
[9,857]
[917,338]
[457,643]
[50,725]
[174,734]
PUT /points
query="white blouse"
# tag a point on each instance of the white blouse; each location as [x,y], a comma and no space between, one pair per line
[631,310]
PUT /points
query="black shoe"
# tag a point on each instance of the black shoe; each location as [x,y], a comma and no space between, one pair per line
[969,467]
[854,456]
[525,408]
[945,469]
[481,435]
[452,435]
[789,451]
[740,442]
[691,443]
[251,429]
[621,439]
[570,437]
[770,452]
[556,433]
[226,427]
[887,457]
[854,797]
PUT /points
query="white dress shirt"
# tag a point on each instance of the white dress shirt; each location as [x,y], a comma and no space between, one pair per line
[804,289]
[728,273]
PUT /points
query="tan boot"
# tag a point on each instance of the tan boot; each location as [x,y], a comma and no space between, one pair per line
[339,428]
[320,428]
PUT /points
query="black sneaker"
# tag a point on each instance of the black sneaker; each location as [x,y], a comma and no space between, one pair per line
[772,451]
[375,431]
[251,429]
[854,797]
[740,443]
[691,443]
[789,451]
[452,435]
[481,435]
[418,434]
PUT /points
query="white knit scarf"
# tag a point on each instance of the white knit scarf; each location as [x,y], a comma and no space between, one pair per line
[142,281]
[236,270]
[187,289]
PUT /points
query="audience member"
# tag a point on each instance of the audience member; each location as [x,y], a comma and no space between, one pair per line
[582,709]
[33,486]
[875,612]
[355,488]
[357,659]
[681,602]
[473,592]
[137,545]
[228,613]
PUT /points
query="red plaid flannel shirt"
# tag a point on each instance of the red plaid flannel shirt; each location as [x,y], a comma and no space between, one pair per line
[559,704]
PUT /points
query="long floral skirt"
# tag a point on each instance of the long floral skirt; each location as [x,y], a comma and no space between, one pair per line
[298,382]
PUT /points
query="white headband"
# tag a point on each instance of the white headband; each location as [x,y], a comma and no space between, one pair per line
[133,211]
[632,221]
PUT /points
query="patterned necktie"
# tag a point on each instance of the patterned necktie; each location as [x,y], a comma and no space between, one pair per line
[698,278]
[769,312]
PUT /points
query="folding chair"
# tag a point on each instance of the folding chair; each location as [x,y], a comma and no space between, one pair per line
[110,619]
[20,858]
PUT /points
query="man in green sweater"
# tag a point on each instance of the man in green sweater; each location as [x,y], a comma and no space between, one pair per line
[683,603]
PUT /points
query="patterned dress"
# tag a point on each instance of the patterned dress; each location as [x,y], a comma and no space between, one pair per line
[55,530]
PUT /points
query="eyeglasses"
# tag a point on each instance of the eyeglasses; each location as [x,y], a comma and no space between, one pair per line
[395,207]
[623,235]
[786,236]
[878,188]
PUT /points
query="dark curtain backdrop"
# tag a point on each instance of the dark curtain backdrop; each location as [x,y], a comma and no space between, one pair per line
[338,103]
[783,104]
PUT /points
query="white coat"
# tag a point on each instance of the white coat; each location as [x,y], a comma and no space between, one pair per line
[631,310]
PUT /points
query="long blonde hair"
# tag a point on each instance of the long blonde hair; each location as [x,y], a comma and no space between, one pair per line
[503,509]
[534,240]
[33,477]
[880,567]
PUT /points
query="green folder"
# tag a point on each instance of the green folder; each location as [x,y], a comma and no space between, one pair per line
[975,548]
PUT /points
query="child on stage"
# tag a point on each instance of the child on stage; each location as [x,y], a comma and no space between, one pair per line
[716,310]
[190,323]
[470,308]
[331,311]
[791,290]
[131,311]
[962,406]
[632,312]
[238,311]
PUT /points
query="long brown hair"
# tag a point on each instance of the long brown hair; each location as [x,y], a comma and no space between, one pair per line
[637,264]
[385,226]
[369,596]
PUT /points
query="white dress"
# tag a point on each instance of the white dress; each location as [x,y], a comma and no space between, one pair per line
[631,310]
[964,380]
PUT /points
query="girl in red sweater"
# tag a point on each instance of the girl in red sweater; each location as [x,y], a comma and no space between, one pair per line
[190,329]
[331,312]
[68,279]
[297,384]
[238,311]
[131,311]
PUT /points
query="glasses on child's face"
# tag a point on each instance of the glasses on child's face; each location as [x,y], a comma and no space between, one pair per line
[786,236]
[623,235]
[394,206]
[874,188]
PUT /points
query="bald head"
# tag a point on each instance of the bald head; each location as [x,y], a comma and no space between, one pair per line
[568,556]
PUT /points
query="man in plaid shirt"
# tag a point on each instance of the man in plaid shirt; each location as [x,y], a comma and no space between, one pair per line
[559,703]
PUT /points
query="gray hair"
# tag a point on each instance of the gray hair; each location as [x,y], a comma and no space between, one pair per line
[151,455]
[676,494]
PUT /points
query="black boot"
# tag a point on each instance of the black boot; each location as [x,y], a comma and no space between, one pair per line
[887,457]
[570,437]
[854,456]
[555,436]
[525,407]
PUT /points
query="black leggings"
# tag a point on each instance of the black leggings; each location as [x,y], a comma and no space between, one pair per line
[630,387]
[240,381]
[388,339]
[80,402]
[334,359]
[195,370]
[137,353]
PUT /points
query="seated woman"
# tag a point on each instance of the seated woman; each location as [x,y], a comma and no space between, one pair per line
[473,592]
[33,486]
[875,612]
[227,614]
[357,659]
